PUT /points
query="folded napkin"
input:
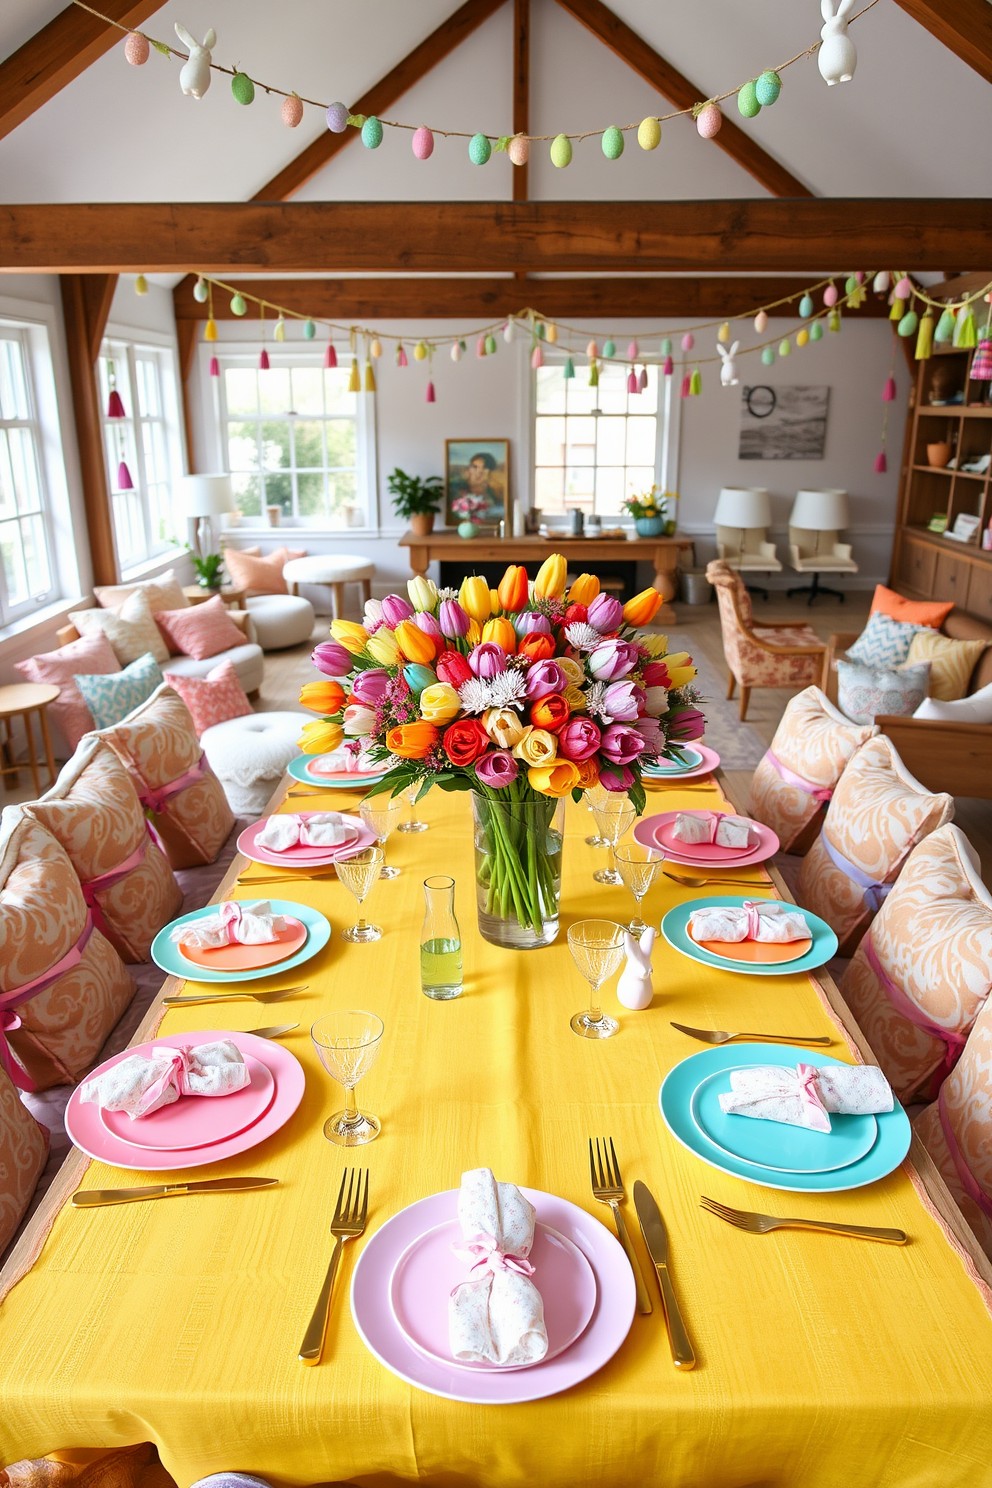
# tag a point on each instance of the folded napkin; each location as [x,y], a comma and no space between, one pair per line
[142,1084]
[805,1096]
[712,826]
[319,829]
[754,920]
[497,1316]
[233,924]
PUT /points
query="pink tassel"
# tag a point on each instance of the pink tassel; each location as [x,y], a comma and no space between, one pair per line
[669,367]
[686,385]
[124,481]
[115,408]
[537,358]
[480,347]
[263,360]
[330,356]
[214,367]
[401,357]
[889,391]
[430,393]
[881,463]
[632,381]
[642,379]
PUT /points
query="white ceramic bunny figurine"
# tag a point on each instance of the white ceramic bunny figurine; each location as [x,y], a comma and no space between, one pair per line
[728,372]
[836,57]
[634,989]
[194,79]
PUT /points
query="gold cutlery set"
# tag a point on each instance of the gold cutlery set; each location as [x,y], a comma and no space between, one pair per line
[350,1215]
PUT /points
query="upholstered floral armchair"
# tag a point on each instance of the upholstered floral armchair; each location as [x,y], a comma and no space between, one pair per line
[762,655]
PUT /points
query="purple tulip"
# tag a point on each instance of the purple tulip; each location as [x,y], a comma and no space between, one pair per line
[605,613]
[621,744]
[530,621]
[687,724]
[579,739]
[487,660]
[616,778]
[454,621]
[612,660]
[369,687]
[545,677]
[496,769]
[651,732]
[332,659]
[425,621]
[395,609]
[623,701]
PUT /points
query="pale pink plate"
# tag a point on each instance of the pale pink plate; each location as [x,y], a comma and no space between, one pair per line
[304,858]
[88,1132]
[249,957]
[710,852]
[710,762]
[379,1330]
[336,776]
[645,832]
[197,1120]
[427,1272]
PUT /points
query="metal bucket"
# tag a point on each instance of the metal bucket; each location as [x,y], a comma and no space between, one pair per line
[696,588]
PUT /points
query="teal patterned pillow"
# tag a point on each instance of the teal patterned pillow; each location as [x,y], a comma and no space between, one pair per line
[884,642]
[114,696]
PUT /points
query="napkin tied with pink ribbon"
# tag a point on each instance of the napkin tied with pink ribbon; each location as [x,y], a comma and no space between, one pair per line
[806,1096]
[233,924]
[348,759]
[712,826]
[754,919]
[317,829]
[144,1083]
[496,1316]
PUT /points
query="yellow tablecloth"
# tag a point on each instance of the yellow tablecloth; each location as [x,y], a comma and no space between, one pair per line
[823,1362]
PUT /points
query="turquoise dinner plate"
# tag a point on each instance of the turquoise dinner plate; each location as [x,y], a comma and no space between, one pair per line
[774,1144]
[298,769]
[674,927]
[676,1102]
[171,959]
[691,759]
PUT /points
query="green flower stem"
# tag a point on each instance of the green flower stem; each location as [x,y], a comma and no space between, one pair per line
[516,870]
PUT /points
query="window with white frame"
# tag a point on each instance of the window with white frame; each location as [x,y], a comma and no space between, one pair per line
[295,438]
[27,572]
[595,446]
[144,453]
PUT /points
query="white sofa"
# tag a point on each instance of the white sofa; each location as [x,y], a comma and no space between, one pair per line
[249,662]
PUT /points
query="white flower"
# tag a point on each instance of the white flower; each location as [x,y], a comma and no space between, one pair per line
[508,688]
[475,695]
[373,614]
[595,701]
[447,594]
[582,637]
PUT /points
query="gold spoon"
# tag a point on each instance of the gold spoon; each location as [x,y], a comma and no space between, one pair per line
[692,882]
[717,1036]
[277,996]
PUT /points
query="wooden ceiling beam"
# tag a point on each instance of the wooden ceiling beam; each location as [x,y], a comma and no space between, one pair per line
[965,26]
[673,85]
[521,88]
[60,52]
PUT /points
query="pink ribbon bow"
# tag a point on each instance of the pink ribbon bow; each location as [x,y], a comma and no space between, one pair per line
[815,1112]
[155,798]
[486,1254]
[174,1073]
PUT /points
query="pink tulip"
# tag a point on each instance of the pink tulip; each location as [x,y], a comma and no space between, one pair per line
[545,677]
[621,744]
[530,621]
[368,687]
[656,701]
[687,724]
[487,660]
[332,659]
[612,660]
[496,769]
[579,739]
[616,778]
[453,619]
[623,701]
[605,613]
[395,609]
[358,721]
[425,621]
[651,732]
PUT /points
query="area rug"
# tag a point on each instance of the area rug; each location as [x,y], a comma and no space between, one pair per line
[739,746]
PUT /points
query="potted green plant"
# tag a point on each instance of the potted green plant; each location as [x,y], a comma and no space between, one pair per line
[648,511]
[208,570]
[414,499]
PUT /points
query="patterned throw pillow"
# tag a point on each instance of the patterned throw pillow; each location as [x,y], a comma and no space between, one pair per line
[200,631]
[130,629]
[211,699]
[109,699]
[258,575]
[92,654]
[884,642]
[863,691]
[957,1130]
[23,1154]
[951,663]
[164,592]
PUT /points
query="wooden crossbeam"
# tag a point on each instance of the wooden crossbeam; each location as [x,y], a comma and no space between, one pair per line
[60,52]
[521,88]
[673,85]
[963,25]
[750,236]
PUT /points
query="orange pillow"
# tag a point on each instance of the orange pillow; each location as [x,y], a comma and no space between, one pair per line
[250,571]
[909,611]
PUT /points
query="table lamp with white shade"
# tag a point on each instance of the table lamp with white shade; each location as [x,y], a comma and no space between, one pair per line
[748,510]
[205,497]
[824,514]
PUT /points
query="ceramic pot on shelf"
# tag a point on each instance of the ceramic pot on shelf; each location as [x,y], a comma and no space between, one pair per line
[421,523]
[467,529]
[938,454]
[649,526]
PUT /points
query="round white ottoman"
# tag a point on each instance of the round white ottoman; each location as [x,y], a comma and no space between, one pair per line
[280,620]
[249,755]
[333,570]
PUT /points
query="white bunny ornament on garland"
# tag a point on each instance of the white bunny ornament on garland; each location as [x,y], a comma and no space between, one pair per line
[836,57]
[635,989]
[194,79]
[728,371]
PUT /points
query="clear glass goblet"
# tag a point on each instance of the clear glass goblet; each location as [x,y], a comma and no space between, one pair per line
[614,816]
[381,815]
[358,874]
[638,868]
[594,794]
[597,950]
[348,1045]
[414,824]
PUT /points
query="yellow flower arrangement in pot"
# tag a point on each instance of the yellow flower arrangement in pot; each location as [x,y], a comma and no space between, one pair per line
[650,512]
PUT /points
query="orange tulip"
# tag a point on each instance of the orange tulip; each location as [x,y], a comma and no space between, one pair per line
[502,632]
[412,740]
[588,773]
[537,646]
[415,644]
[642,609]
[550,712]
[323,696]
[512,591]
[584,590]
[556,779]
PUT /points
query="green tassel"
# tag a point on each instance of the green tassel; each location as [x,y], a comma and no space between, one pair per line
[609,349]
[593,375]
[569,369]
[833,321]
[964,330]
[924,341]
[666,346]
[945,327]
[695,383]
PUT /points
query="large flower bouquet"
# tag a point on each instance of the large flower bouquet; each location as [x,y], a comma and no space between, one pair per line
[521,695]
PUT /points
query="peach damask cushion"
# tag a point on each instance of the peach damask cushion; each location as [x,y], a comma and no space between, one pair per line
[924,966]
[158,745]
[43,920]
[91,656]
[23,1154]
[812,745]
[249,570]
[957,1130]
[94,811]
[199,631]
[877,815]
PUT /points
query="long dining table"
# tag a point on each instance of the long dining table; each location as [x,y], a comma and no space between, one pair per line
[822,1361]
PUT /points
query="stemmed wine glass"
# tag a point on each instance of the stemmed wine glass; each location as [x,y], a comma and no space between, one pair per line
[593,795]
[597,950]
[414,824]
[358,874]
[639,868]
[614,815]
[381,814]
[348,1046]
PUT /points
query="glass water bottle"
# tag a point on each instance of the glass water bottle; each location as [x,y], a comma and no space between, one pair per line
[440,942]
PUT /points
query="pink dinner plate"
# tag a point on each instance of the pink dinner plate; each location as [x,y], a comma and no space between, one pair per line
[311,857]
[645,832]
[249,957]
[87,1131]
[197,1120]
[428,1271]
[709,852]
[671,782]
[612,1315]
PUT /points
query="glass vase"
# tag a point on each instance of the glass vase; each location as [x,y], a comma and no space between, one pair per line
[518,868]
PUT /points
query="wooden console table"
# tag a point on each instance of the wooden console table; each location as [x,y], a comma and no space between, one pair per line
[662,552]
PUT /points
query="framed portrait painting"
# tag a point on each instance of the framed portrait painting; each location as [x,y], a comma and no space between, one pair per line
[477,482]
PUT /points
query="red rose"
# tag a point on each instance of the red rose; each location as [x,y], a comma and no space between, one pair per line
[536,647]
[576,613]
[550,712]
[465,740]
[452,667]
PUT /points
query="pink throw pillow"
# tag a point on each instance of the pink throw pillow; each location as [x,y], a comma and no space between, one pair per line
[90,656]
[202,630]
[214,698]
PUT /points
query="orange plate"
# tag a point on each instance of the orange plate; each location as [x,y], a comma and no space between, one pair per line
[248,957]
[753,950]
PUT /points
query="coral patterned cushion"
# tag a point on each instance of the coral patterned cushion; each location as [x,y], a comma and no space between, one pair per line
[94,812]
[911,611]
[199,631]
[813,742]
[130,629]
[932,941]
[109,699]
[258,575]
[42,918]
[214,698]
[159,747]
[23,1154]
[957,1130]
[951,663]
[164,592]
[92,654]
[877,815]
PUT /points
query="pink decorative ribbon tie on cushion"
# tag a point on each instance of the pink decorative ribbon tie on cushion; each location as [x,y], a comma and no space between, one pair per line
[142,1084]
[953,1041]
[9,1021]
[155,797]
[818,792]
[91,887]
[497,1315]
[874,892]
[806,1096]
[968,1181]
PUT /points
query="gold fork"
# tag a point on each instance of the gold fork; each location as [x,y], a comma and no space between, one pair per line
[761,1224]
[288,877]
[276,996]
[348,1223]
[607,1187]
[691,881]
[718,1036]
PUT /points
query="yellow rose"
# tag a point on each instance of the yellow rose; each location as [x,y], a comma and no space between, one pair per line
[352,637]
[574,670]
[654,645]
[575,698]
[383,647]
[439,703]
[504,726]
[474,598]
[319,737]
[555,779]
[536,746]
[680,668]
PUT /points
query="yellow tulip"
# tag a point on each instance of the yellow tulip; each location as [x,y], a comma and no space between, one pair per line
[494,600]
[536,746]
[680,668]
[474,633]
[383,647]
[439,703]
[584,590]
[474,598]
[642,609]
[352,637]
[422,592]
[504,726]
[655,645]
[319,737]
[575,698]
[502,632]
[414,643]
[554,779]
[551,577]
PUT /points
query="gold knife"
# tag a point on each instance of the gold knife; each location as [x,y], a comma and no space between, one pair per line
[656,1239]
[96,1198]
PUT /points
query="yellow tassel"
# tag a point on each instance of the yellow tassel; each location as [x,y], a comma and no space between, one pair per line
[552,334]
[354,381]
[833,320]
[420,351]
[924,338]
[210,331]
[369,378]
[898,310]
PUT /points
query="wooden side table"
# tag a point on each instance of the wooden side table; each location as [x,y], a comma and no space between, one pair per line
[197,595]
[25,698]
